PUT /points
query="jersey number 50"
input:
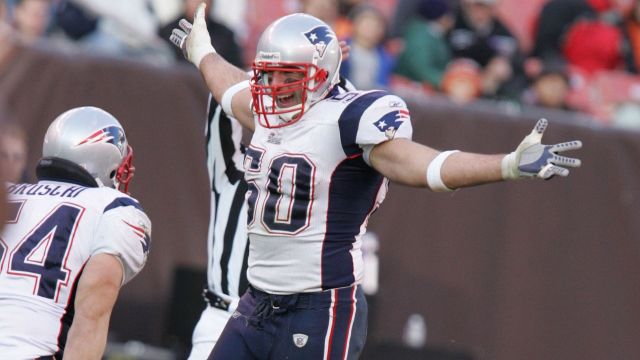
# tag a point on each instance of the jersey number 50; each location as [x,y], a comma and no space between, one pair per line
[286,208]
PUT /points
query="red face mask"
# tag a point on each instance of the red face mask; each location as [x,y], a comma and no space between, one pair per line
[266,95]
[125,172]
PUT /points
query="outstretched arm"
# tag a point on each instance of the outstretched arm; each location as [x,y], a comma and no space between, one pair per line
[97,293]
[413,164]
[219,75]
[460,169]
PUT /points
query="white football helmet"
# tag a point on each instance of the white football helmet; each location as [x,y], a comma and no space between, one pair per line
[95,140]
[296,43]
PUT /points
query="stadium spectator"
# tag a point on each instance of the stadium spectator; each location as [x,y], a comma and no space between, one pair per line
[550,86]
[3,11]
[344,24]
[220,34]
[124,28]
[554,18]
[632,33]
[594,42]
[329,12]
[31,18]
[426,51]
[318,154]
[74,21]
[404,11]
[13,153]
[479,35]
[370,64]
[462,81]
[74,242]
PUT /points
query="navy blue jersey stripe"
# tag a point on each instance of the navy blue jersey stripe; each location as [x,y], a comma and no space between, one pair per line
[243,284]
[350,119]
[352,194]
[122,201]
[67,318]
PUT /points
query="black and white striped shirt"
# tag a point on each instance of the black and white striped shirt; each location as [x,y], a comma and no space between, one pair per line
[227,244]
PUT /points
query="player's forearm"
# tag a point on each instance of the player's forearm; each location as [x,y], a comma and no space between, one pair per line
[220,74]
[97,292]
[87,338]
[406,162]
[463,169]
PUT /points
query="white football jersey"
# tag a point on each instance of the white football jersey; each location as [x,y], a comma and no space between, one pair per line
[311,191]
[52,230]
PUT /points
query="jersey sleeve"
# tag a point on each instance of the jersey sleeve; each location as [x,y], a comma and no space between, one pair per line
[124,231]
[386,118]
[370,119]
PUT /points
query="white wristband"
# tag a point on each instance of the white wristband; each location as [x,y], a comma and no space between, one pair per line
[198,53]
[434,180]
[509,166]
[228,95]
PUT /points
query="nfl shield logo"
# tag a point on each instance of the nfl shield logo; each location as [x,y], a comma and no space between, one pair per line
[300,340]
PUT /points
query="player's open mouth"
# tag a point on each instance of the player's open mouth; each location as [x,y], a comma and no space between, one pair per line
[285,101]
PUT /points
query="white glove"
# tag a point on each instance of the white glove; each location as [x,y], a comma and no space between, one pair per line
[533,159]
[193,39]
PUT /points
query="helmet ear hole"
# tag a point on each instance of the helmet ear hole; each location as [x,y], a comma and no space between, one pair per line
[319,78]
[112,174]
[321,75]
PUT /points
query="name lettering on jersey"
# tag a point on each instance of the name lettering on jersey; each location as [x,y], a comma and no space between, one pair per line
[391,122]
[45,190]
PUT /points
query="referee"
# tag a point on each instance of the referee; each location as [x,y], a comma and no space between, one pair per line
[227,243]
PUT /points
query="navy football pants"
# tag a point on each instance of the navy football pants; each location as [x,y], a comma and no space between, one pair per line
[327,325]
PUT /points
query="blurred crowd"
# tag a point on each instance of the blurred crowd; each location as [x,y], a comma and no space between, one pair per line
[573,55]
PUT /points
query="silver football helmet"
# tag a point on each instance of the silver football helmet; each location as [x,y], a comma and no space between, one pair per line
[95,140]
[296,43]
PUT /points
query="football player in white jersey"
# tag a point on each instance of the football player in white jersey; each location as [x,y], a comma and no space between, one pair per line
[70,242]
[227,244]
[316,169]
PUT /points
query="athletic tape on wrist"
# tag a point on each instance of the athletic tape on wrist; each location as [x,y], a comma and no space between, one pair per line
[434,179]
[228,95]
[509,167]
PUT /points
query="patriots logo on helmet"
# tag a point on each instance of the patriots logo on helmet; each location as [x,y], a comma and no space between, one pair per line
[391,122]
[111,134]
[320,36]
